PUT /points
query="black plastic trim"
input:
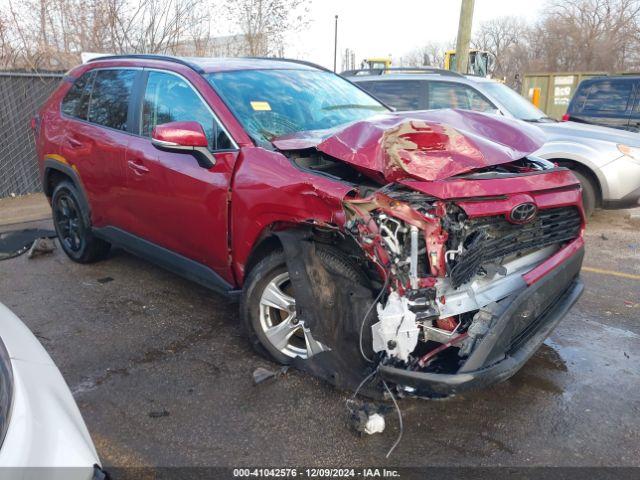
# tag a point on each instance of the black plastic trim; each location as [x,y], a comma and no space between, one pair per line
[99,473]
[134,119]
[163,58]
[291,60]
[50,165]
[172,261]
[392,70]
[630,200]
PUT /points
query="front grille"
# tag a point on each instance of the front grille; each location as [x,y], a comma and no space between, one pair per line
[493,238]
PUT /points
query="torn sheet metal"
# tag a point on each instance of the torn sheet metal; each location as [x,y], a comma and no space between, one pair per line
[426,145]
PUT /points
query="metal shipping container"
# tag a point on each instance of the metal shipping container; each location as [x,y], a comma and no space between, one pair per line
[553,90]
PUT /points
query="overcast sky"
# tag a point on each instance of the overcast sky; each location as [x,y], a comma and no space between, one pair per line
[383,27]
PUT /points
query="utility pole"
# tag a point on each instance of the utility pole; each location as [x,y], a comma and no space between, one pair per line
[464,36]
[335,45]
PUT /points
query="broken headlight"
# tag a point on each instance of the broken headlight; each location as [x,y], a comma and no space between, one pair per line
[6,390]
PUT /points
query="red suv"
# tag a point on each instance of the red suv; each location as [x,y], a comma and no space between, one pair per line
[428,248]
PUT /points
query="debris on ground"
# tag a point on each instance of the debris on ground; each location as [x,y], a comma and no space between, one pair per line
[633,218]
[262,374]
[375,424]
[18,242]
[367,418]
[604,237]
[159,413]
[105,280]
[41,246]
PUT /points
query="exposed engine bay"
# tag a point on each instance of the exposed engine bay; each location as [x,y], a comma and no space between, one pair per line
[443,267]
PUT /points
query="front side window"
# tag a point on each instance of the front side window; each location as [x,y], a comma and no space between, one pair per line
[109,104]
[270,103]
[457,95]
[400,94]
[169,98]
[76,101]
[610,96]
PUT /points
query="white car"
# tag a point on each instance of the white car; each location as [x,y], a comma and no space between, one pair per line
[42,434]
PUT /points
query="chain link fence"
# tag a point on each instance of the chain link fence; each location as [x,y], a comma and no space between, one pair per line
[21,95]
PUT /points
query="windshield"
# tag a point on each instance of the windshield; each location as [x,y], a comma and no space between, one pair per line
[270,103]
[515,104]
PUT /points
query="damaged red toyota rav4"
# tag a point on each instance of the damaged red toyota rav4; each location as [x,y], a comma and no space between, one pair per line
[429,247]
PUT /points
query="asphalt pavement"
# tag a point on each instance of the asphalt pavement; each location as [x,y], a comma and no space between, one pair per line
[163,376]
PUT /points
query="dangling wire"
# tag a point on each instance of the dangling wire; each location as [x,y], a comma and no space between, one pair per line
[399,419]
[366,315]
[362,383]
[349,401]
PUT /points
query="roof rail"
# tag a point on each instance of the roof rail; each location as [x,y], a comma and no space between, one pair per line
[145,56]
[408,70]
[292,60]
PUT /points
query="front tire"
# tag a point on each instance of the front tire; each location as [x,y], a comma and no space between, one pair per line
[268,308]
[70,219]
[589,196]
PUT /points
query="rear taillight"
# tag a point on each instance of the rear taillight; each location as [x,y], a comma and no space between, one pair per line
[566,117]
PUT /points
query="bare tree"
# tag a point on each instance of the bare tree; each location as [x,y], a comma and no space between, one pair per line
[157,26]
[431,54]
[592,34]
[501,37]
[264,23]
[570,35]
[5,46]
[51,34]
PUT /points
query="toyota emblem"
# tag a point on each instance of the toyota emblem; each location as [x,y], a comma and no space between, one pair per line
[523,213]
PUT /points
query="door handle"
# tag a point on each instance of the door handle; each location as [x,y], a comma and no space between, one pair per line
[138,167]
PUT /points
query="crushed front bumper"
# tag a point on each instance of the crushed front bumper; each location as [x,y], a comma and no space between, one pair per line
[520,324]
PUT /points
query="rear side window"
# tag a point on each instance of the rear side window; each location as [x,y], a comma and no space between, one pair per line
[457,95]
[401,94]
[109,104]
[609,96]
[76,101]
[577,102]
[169,98]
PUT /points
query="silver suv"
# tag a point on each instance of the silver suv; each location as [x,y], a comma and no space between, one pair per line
[605,160]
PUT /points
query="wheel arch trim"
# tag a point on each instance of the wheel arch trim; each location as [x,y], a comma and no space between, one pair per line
[57,163]
[600,185]
[584,165]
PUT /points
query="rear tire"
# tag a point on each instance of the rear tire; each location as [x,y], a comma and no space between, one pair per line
[589,196]
[71,221]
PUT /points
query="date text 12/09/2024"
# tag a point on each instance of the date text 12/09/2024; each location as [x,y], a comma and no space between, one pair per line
[315,473]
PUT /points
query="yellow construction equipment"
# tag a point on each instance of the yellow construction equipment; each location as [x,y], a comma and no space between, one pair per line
[381,63]
[481,62]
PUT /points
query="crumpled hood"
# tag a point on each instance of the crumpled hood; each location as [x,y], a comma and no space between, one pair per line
[424,145]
